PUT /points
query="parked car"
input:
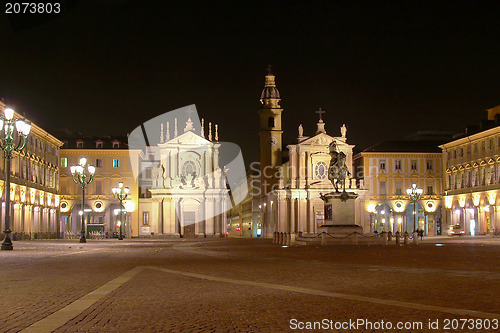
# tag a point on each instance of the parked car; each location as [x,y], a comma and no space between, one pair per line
[456,230]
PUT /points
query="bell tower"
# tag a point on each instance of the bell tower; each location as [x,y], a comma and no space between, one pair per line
[270,133]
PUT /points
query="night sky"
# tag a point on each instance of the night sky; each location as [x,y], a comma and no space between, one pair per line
[385,69]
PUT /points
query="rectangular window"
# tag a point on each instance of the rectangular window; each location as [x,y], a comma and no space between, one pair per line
[116,163]
[397,165]
[64,162]
[414,165]
[430,190]
[148,173]
[399,188]
[145,218]
[116,145]
[98,145]
[98,187]
[79,145]
[383,190]
[382,165]
[98,163]
[429,165]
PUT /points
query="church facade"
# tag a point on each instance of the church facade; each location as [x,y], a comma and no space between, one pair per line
[186,188]
[290,196]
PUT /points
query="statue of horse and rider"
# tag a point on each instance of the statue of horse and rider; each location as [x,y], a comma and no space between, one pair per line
[337,171]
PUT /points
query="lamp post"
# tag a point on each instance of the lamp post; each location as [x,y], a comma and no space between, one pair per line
[81,178]
[121,194]
[414,194]
[9,145]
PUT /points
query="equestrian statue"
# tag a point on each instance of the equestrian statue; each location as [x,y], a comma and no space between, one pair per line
[337,171]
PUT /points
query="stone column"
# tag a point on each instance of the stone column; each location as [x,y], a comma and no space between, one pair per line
[293,166]
[291,224]
[302,214]
[155,216]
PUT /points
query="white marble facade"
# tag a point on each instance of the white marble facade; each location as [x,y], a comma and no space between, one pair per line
[188,192]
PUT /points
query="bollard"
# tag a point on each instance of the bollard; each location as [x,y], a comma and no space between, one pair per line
[274,237]
[389,236]
[355,239]
[288,239]
[405,238]
[398,239]
[384,238]
[293,238]
[415,238]
[282,238]
[323,239]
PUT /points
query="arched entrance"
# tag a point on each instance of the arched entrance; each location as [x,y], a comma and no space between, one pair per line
[415,218]
[383,219]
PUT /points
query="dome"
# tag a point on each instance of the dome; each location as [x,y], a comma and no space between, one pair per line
[270,90]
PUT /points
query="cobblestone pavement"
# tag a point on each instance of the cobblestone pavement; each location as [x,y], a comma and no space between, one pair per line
[245,285]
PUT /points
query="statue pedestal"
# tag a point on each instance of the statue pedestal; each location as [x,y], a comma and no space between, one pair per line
[339,213]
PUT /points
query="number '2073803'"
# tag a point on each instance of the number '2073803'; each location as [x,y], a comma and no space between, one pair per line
[32,8]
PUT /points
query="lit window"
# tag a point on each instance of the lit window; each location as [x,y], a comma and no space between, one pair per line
[64,162]
[116,163]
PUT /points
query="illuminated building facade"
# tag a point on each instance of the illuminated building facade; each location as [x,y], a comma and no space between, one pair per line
[291,181]
[472,179]
[183,186]
[113,162]
[34,187]
[388,170]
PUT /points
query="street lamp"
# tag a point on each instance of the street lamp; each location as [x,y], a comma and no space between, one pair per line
[9,145]
[81,178]
[414,194]
[120,193]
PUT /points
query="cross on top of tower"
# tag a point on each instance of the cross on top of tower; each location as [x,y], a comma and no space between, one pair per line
[269,72]
[320,112]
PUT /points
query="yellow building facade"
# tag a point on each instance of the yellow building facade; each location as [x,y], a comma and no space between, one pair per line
[34,186]
[387,174]
[113,161]
[472,181]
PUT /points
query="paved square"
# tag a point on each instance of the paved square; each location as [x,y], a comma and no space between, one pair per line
[244,285]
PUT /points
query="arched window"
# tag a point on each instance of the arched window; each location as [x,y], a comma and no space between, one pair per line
[270,122]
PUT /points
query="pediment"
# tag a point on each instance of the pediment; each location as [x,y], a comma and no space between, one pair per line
[321,139]
[187,138]
[483,163]
[461,167]
[491,161]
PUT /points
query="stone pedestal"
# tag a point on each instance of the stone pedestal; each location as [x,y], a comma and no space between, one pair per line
[340,215]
